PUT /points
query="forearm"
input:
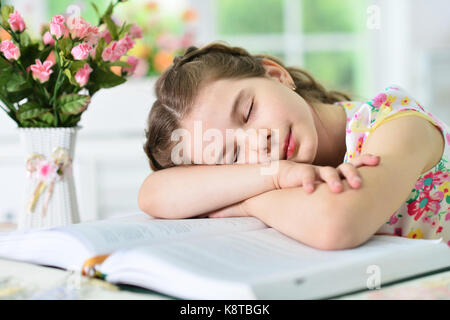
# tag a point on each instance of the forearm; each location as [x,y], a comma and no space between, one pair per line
[314,219]
[187,191]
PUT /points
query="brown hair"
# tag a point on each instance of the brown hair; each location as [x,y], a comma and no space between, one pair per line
[179,84]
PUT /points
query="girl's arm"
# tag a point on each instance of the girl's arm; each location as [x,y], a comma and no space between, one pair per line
[190,190]
[330,221]
[187,191]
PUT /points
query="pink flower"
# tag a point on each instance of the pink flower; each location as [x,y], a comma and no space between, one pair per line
[57,26]
[127,42]
[93,35]
[16,21]
[136,31]
[51,57]
[113,52]
[81,51]
[78,27]
[48,39]
[379,99]
[42,71]
[167,41]
[141,68]
[393,219]
[133,61]
[107,36]
[82,75]
[10,50]
[187,40]
[47,170]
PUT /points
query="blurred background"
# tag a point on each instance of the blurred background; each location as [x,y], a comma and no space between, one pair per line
[359,46]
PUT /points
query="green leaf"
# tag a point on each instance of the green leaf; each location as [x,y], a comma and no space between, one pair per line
[73,103]
[65,44]
[112,28]
[96,9]
[48,118]
[16,82]
[24,39]
[17,96]
[110,9]
[5,75]
[30,110]
[101,45]
[77,65]
[4,64]
[29,54]
[6,11]
[106,79]
[72,120]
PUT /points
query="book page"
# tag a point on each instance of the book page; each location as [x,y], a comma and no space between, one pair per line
[105,236]
[246,256]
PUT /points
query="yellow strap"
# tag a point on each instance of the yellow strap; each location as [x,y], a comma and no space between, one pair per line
[402,114]
[88,268]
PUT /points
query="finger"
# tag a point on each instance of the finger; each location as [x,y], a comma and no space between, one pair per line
[351,174]
[331,176]
[366,159]
[308,176]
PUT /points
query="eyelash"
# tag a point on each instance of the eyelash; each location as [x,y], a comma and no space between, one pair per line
[249,112]
[236,156]
[246,120]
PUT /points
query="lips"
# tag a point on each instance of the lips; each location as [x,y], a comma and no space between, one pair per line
[289,145]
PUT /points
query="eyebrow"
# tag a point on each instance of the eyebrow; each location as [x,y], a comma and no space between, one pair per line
[233,111]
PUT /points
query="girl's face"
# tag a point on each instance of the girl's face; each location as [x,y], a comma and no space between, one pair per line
[252,104]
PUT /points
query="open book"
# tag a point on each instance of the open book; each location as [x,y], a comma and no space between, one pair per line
[223,258]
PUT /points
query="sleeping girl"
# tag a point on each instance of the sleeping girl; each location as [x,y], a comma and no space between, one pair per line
[326,171]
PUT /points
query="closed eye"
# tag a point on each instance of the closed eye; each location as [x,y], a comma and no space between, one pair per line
[249,112]
[236,156]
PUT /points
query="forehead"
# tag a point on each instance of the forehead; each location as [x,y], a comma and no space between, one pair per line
[211,110]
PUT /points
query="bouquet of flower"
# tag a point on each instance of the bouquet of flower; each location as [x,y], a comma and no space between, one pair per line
[164,36]
[49,82]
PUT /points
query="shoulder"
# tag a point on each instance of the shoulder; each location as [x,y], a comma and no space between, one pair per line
[410,135]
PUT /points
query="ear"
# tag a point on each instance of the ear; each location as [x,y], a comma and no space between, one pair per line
[277,72]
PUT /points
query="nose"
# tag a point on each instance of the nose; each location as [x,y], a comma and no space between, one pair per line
[260,148]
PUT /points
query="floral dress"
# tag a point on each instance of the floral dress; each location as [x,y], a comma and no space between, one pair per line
[426,211]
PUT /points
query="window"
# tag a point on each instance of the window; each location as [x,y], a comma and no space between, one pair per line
[325,37]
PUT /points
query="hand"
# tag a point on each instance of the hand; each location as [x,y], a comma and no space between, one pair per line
[294,174]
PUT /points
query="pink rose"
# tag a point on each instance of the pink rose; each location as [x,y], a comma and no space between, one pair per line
[48,39]
[10,50]
[133,62]
[107,36]
[16,21]
[81,51]
[82,75]
[115,51]
[57,26]
[127,42]
[93,35]
[42,71]
[79,28]
[136,31]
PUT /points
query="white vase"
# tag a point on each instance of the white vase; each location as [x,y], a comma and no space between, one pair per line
[48,202]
